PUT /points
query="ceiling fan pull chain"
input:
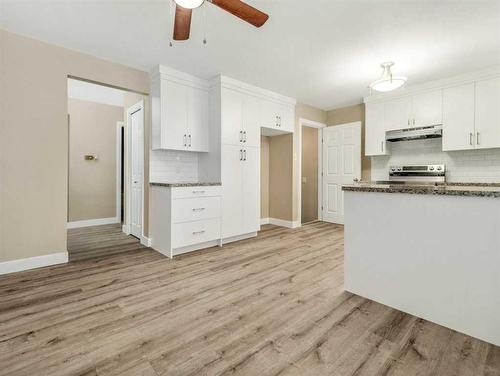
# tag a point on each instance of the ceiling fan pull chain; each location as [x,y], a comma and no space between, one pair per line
[204,24]
[172,5]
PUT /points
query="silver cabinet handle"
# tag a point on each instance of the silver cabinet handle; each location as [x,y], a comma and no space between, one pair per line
[408,121]
[245,154]
[198,209]
[470,138]
[244,136]
[277,124]
[185,140]
[477,138]
[189,140]
[413,121]
[198,232]
[280,121]
[198,192]
[241,155]
[241,136]
[382,146]
[355,180]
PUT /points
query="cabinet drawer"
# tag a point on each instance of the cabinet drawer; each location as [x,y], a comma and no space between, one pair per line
[200,191]
[195,209]
[189,233]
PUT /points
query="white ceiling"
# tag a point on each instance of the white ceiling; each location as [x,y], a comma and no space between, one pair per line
[322,52]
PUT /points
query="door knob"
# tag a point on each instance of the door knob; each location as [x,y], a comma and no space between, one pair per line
[356,180]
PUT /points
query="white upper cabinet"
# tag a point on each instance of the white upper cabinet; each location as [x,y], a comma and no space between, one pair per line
[375,143]
[251,120]
[231,117]
[487,114]
[197,118]
[278,116]
[468,108]
[179,111]
[427,108]
[458,117]
[398,113]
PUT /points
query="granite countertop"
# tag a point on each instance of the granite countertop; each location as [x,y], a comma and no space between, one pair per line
[448,189]
[185,184]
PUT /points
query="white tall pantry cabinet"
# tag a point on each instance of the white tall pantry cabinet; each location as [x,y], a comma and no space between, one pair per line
[240,112]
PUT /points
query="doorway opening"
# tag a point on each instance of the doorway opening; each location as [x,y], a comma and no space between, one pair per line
[99,157]
[310,169]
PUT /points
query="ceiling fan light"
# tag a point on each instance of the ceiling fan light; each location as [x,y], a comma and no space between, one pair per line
[189,4]
[387,82]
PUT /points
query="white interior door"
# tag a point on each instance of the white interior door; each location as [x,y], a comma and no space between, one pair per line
[341,166]
[136,168]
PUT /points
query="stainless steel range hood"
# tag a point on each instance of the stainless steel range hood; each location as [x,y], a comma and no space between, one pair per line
[418,133]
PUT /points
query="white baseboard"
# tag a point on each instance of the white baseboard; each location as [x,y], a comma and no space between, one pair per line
[93,222]
[264,221]
[284,223]
[239,237]
[126,229]
[145,241]
[33,262]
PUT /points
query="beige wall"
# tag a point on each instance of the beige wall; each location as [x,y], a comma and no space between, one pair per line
[348,115]
[264,177]
[92,184]
[34,139]
[280,177]
[310,113]
[309,178]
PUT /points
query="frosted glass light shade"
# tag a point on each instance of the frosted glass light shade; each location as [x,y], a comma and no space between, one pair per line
[189,4]
[388,82]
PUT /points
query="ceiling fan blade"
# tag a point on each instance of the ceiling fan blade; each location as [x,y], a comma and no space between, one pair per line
[244,11]
[182,24]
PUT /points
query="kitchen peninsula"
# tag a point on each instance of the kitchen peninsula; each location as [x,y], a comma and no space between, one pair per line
[431,251]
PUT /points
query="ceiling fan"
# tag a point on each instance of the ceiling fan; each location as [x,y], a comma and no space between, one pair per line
[184,8]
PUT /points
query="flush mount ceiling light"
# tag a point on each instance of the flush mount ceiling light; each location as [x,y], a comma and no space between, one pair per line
[387,82]
[189,4]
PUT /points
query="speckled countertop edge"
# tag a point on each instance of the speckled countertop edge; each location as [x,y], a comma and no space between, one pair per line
[452,189]
[185,184]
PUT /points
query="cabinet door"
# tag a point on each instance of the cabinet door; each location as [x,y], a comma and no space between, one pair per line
[251,120]
[232,192]
[197,119]
[270,114]
[287,118]
[174,115]
[375,129]
[251,190]
[458,117]
[398,114]
[488,113]
[231,117]
[427,108]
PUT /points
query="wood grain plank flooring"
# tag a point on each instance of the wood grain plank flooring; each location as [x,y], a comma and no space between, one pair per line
[273,305]
[99,241]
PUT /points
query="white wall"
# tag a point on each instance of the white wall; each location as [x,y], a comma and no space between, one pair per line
[462,166]
[172,166]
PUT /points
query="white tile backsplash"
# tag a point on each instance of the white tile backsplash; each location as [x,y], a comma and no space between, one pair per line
[173,166]
[462,166]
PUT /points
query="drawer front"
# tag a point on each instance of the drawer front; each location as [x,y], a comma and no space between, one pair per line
[189,233]
[195,209]
[191,192]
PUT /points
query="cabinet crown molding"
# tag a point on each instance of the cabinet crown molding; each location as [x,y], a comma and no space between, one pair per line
[435,85]
[231,83]
[164,72]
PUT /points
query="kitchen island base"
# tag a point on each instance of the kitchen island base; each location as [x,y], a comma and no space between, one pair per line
[436,257]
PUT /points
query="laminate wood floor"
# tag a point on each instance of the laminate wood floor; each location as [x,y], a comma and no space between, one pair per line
[99,241]
[267,306]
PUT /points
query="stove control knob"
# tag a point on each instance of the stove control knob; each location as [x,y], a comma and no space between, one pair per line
[400,169]
[431,168]
[393,169]
[439,168]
